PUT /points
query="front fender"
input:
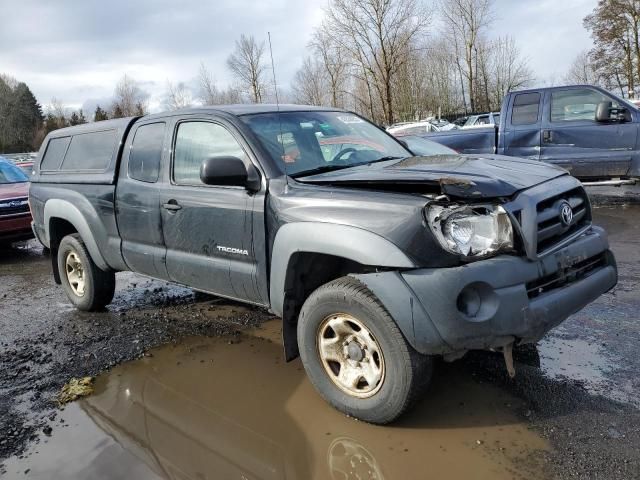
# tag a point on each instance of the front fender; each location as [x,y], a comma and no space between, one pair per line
[63,209]
[345,241]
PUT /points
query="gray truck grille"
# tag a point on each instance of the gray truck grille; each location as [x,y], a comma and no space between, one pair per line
[565,276]
[553,226]
[13,206]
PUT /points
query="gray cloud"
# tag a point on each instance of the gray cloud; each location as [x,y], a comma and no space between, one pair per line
[77,50]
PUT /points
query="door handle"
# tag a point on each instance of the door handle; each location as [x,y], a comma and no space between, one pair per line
[171,205]
[547,136]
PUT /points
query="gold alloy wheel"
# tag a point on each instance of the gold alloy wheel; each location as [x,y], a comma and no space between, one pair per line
[75,273]
[350,355]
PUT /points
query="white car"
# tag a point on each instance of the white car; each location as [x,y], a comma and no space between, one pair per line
[482,120]
[416,128]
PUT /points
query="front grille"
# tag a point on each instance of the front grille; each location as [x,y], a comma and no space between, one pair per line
[13,206]
[566,275]
[550,227]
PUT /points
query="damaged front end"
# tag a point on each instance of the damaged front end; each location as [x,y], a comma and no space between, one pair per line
[472,231]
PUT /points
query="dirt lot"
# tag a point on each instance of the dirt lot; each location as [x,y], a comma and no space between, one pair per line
[217,401]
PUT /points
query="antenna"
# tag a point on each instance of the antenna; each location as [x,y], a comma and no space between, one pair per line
[273,70]
[275,86]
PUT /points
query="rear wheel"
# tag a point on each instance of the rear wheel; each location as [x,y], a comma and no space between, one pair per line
[88,287]
[355,355]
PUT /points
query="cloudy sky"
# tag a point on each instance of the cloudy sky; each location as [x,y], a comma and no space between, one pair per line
[76,50]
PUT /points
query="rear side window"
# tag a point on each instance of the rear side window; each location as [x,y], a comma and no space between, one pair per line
[54,154]
[525,109]
[146,152]
[90,151]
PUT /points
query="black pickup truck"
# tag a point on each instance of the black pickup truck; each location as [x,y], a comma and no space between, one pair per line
[377,260]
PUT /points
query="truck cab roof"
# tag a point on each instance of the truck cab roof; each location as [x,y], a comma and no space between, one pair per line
[244,109]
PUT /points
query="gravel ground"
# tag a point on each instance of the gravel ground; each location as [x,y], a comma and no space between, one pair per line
[580,386]
[46,342]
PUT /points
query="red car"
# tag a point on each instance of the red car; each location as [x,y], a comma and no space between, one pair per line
[15,216]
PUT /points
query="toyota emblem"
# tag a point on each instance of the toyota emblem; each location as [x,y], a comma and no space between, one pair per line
[566,214]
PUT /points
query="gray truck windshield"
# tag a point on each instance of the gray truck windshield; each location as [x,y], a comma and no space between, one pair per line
[301,142]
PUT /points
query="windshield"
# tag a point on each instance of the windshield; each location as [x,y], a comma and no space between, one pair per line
[11,174]
[304,142]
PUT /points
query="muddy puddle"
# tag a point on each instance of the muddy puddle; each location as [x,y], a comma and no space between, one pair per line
[230,408]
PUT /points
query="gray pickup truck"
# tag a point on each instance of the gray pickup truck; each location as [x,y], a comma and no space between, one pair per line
[377,260]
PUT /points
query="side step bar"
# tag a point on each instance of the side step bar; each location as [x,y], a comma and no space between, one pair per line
[611,183]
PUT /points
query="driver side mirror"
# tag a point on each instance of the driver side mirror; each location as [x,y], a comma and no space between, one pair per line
[605,112]
[229,171]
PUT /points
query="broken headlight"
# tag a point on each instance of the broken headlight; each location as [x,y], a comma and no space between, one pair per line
[471,230]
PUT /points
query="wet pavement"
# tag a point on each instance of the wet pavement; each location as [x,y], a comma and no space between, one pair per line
[214,409]
[212,397]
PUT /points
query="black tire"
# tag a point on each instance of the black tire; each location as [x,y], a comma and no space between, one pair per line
[99,286]
[407,372]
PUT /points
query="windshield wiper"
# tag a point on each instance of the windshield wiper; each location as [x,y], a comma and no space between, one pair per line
[329,168]
[320,169]
[383,159]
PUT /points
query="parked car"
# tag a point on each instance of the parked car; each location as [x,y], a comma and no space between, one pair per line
[377,260]
[415,128]
[460,121]
[15,218]
[586,130]
[26,167]
[482,120]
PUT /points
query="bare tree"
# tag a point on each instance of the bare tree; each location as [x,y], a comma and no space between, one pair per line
[58,112]
[177,96]
[615,29]
[508,71]
[466,20]
[333,58]
[581,70]
[129,99]
[230,96]
[208,90]
[210,94]
[309,83]
[443,90]
[247,66]
[377,35]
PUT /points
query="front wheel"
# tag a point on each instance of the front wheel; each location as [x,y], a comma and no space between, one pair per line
[355,355]
[87,286]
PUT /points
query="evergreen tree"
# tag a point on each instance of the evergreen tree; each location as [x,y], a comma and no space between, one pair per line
[139,109]
[100,114]
[50,123]
[117,112]
[20,117]
[74,119]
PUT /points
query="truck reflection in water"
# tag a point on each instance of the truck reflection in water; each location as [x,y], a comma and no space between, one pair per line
[210,409]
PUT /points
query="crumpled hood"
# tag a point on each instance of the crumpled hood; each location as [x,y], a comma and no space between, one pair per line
[473,176]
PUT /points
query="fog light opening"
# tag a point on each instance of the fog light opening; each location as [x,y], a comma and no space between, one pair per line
[478,302]
[469,302]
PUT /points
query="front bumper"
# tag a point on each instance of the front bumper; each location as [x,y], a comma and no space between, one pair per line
[15,228]
[491,303]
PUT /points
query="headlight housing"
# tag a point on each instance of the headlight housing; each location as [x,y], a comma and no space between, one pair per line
[472,231]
